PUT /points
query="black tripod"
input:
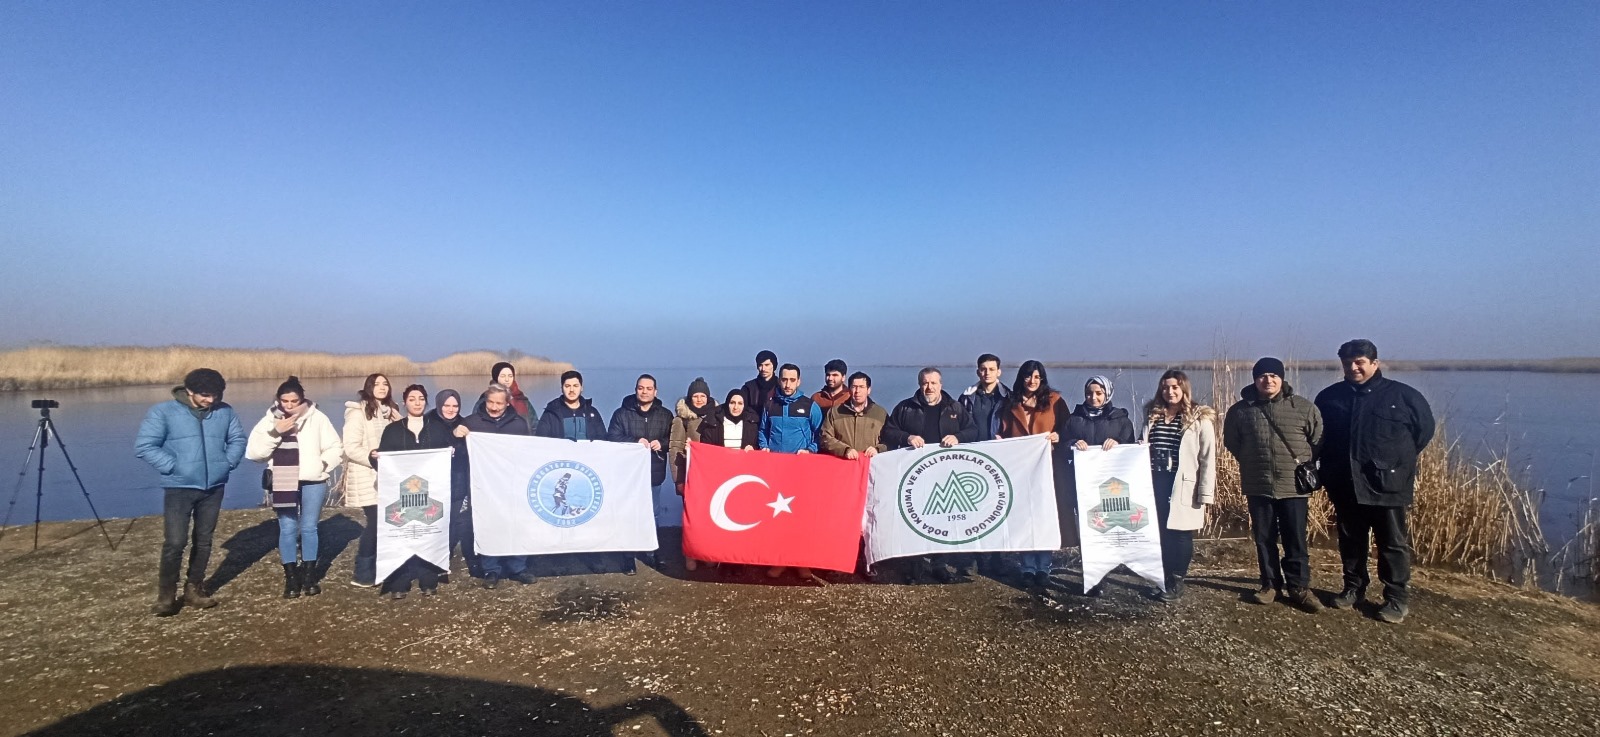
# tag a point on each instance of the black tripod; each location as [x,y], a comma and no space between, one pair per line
[41,441]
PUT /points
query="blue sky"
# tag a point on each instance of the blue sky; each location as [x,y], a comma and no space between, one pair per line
[680,184]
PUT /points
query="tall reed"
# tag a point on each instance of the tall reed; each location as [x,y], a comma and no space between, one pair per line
[71,367]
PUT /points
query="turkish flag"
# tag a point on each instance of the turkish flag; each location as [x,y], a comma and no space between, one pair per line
[773,509]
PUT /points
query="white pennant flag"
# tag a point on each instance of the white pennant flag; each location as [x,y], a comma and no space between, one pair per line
[413,508]
[997,495]
[1117,513]
[534,496]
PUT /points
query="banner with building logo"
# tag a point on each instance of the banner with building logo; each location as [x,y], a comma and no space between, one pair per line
[1117,513]
[413,508]
[534,496]
[997,495]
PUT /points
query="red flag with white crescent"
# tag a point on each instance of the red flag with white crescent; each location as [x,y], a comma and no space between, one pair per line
[773,509]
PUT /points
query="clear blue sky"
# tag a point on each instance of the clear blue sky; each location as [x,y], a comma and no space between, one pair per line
[683,183]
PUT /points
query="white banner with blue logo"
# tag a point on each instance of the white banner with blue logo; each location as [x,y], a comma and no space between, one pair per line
[535,496]
[413,508]
[993,496]
[1117,513]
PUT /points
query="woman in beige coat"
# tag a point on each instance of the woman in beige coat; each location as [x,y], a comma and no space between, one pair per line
[364,422]
[1183,465]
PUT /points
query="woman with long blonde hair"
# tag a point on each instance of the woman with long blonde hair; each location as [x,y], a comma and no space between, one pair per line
[1182,436]
[364,422]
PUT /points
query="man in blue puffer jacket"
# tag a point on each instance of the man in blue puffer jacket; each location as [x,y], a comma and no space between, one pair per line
[194,442]
[792,421]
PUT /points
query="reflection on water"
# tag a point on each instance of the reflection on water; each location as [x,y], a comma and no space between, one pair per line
[1543,423]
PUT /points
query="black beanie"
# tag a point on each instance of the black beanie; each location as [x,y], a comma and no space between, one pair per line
[1268,365]
[700,386]
[205,381]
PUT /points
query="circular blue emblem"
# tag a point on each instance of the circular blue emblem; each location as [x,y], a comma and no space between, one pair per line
[565,493]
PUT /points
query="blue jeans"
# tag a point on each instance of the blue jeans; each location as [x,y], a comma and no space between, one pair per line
[503,565]
[1035,561]
[291,532]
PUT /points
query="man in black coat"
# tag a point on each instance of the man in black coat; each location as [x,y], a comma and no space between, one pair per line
[932,417]
[500,418]
[1374,430]
[641,419]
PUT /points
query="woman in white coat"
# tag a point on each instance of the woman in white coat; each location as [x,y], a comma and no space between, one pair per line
[1183,464]
[364,422]
[300,447]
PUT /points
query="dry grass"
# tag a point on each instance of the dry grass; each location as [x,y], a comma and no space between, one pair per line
[71,367]
[1479,518]
[1577,564]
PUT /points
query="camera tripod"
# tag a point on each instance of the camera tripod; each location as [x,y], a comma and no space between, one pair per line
[41,441]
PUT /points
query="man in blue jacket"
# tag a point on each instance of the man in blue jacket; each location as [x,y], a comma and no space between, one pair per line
[193,441]
[792,422]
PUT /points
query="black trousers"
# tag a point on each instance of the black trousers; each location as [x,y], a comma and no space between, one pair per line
[179,507]
[1281,522]
[461,533]
[1177,546]
[1357,525]
[416,569]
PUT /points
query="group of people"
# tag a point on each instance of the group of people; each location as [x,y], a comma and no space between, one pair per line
[1361,436]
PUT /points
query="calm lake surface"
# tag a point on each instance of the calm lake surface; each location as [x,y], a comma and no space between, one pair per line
[1546,425]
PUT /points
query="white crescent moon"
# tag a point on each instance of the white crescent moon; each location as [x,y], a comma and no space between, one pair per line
[719,502]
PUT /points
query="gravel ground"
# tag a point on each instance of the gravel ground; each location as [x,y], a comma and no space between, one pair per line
[719,652]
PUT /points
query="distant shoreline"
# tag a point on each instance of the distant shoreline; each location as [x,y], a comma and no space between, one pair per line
[40,368]
[1547,366]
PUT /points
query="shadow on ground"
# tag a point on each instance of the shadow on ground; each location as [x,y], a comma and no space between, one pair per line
[249,545]
[314,699]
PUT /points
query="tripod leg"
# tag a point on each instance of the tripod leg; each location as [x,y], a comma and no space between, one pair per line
[22,475]
[63,448]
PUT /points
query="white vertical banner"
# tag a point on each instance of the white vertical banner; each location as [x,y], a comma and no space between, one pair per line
[534,496]
[997,495]
[413,508]
[1117,513]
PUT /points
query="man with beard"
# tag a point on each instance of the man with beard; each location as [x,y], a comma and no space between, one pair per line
[833,392]
[932,417]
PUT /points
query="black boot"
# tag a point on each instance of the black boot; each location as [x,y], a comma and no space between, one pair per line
[166,600]
[309,578]
[291,580]
[1173,591]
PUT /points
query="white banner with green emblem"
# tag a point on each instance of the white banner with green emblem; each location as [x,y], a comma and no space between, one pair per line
[413,508]
[533,496]
[994,496]
[1117,513]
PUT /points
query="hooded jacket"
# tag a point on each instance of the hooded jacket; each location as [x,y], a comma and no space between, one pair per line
[845,429]
[1195,484]
[985,408]
[1266,464]
[190,448]
[320,448]
[685,427]
[791,423]
[1372,435]
[911,415]
[361,436]
[561,421]
[630,423]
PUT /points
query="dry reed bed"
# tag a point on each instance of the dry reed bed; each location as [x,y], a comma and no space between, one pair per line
[73,367]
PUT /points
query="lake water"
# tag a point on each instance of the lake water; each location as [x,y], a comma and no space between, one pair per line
[1545,424]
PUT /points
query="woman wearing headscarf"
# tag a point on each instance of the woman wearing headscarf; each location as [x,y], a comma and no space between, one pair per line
[692,409]
[364,422]
[447,412]
[733,425]
[1033,408]
[416,431]
[1182,436]
[1095,423]
[300,447]
[504,374]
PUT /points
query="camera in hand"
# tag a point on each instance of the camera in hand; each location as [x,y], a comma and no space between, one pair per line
[45,404]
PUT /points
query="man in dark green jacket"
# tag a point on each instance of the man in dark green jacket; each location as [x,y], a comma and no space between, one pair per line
[1270,431]
[1376,429]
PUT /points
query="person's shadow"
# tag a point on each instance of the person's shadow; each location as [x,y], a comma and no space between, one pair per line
[249,545]
[318,699]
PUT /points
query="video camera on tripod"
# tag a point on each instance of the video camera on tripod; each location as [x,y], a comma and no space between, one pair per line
[41,440]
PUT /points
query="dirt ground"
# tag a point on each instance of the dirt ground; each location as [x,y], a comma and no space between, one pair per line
[721,653]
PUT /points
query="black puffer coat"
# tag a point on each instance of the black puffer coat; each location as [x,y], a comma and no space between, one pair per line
[1372,435]
[711,430]
[630,423]
[912,416]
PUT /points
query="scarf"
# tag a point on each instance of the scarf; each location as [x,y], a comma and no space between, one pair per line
[1104,383]
[285,461]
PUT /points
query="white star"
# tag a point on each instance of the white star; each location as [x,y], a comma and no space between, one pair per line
[781,505]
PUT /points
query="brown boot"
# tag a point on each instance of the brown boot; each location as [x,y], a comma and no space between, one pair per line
[166,600]
[195,595]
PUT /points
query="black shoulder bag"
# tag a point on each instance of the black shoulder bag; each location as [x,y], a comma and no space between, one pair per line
[1305,474]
